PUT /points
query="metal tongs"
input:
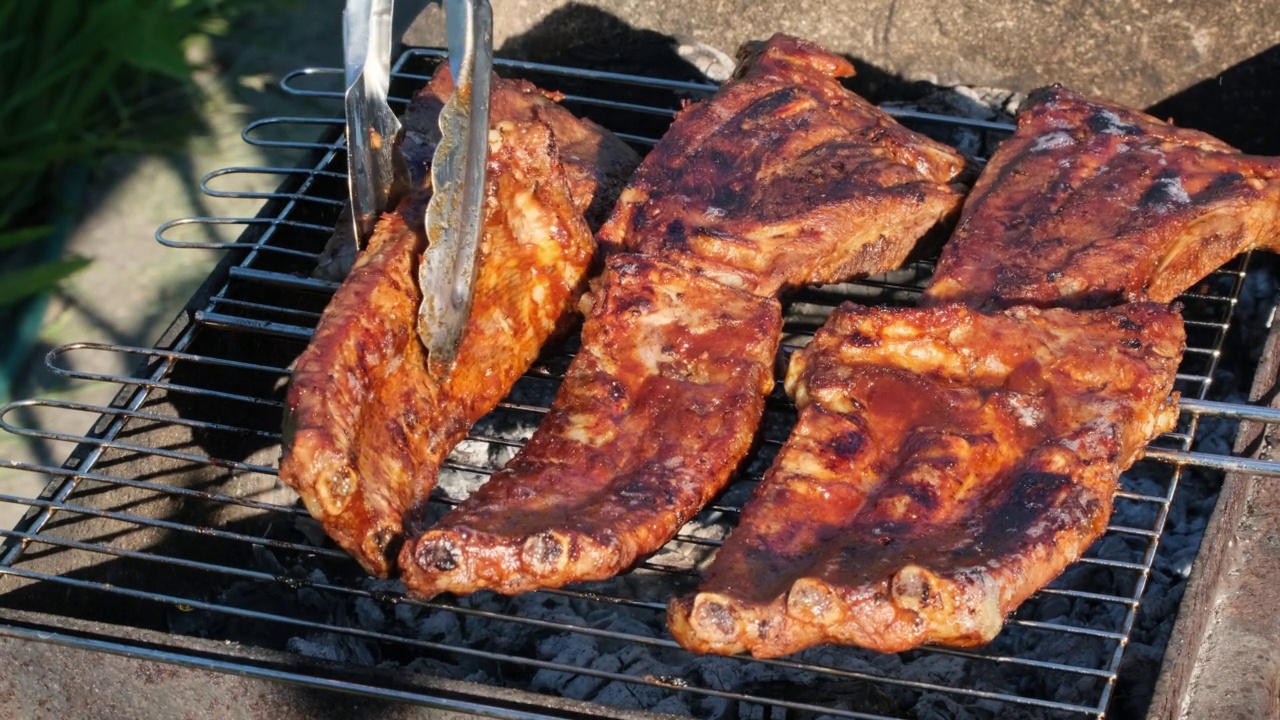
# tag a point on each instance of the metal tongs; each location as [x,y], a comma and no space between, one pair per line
[377,170]
[377,175]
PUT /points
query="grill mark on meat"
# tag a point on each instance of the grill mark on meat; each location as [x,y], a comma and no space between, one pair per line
[1130,209]
[596,162]
[956,505]
[663,399]
[368,422]
[609,480]
[743,207]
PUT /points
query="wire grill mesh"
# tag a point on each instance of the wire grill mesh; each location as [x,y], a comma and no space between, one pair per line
[168,515]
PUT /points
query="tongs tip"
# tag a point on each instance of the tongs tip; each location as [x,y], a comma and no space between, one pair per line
[455,212]
[377,175]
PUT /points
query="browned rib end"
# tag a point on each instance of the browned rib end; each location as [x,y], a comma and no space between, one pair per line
[653,416]
[945,465]
[370,422]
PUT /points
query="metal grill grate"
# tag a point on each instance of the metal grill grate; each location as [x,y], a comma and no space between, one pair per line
[167,516]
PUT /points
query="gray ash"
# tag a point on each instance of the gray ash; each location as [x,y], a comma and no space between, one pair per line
[975,103]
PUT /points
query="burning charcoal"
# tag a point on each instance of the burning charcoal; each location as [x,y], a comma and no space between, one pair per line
[439,626]
[553,608]
[977,103]
[529,391]
[855,661]
[566,649]
[584,686]
[933,706]
[718,673]
[617,622]
[333,647]
[472,453]
[673,705]
[314,601]
[1053,608]
[438,668]
[265,560]
[309,528]
[370,615]
[631,695]
[1182,561]
[716,708]
[408,613]
[1082,687]
[945,670]
[311,648]
[1138,673]
[1217,435]
[383,590]
[433,511]
[1145,486]
[736,495]
[851,695]
[639,660]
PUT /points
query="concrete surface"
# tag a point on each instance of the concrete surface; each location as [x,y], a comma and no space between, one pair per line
[135,286]
[51,681]
[34,688]
[1138,52]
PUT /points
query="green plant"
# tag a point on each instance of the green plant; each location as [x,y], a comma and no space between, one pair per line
[21,284]
[82,80]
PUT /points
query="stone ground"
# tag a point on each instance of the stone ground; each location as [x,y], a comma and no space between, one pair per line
[1136,52]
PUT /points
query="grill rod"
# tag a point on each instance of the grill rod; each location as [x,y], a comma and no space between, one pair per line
[1192,406]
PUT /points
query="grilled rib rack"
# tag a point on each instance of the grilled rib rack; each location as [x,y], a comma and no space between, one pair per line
[167,520]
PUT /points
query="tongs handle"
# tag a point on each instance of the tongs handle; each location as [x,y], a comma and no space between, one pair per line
[376,173]
[456,210]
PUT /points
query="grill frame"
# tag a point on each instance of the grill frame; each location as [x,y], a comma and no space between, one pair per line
[212,310]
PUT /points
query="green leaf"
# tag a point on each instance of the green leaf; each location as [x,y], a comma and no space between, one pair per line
[30,281]
[23,236]
[82,79]
[149,42]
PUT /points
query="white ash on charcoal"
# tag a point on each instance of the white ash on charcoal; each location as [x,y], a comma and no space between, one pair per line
[333,647]
[715,64]
[975,103]
[495,438]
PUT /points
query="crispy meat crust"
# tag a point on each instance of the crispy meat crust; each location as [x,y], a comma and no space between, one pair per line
[367,423]
[946,465]
[663,399]
[651,418]
[596,162]
[340,385]
[1090,204]
[786,178]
